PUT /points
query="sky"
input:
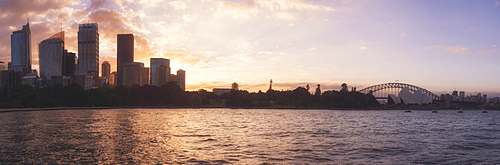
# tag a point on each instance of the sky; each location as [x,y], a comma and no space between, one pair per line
[439,45]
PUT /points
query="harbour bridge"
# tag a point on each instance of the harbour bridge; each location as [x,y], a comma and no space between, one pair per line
[381,91]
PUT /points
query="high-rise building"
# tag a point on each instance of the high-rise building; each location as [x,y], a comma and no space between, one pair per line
[112,79]
[133,74]
[125,54]
[51,54]
[20,44]
[181,79]
[106,69]
[160,71]
[69,64]
[88,49]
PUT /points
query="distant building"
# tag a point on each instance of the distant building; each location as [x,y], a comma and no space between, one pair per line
[106,69]
[69,64]
[7,78]
[112,79]
[133,74]
[145,76]
[20,44]
[51,53]
[220,91]
[160,71]
[173,78]
[461,96]
[181,79]
[125,54]
[88,49]
[2,66]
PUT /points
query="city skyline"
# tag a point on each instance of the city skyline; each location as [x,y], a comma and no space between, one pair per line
[441,46]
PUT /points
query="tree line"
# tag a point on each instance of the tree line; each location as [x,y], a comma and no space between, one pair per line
[73,95]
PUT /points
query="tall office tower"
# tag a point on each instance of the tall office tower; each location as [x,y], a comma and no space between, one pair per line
[125,54]
[106,69]
[20,44]
[51,54]
[132,74]
[160,71]
[69,64]
[181,79]
[88,49]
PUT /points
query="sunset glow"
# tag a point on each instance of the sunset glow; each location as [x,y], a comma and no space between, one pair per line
[438,45]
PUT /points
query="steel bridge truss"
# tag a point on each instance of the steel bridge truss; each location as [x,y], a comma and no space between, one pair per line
[388,86]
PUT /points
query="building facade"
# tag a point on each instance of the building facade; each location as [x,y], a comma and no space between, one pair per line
[181,79]
[20,44]
[106,69]
[133,74]
[160,71]
[125,54]
[88,49]
[51,53]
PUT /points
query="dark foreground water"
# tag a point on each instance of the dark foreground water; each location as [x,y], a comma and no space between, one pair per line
[235,136]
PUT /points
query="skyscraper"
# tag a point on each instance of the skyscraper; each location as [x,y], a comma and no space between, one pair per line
[69,64]
[51,56]
[181,79]
[88,49]
[160,71]
[20,44]
[106,69]
[125,54]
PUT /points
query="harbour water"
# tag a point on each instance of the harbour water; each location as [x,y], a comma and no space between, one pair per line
[249,136]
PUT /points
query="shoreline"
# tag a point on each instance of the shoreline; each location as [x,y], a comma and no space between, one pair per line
[195,107]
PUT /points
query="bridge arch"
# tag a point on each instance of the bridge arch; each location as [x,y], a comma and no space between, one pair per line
[388,87]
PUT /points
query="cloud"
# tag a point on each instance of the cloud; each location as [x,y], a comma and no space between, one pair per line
[452,49]
[281,9]
[485,51]
[497,3]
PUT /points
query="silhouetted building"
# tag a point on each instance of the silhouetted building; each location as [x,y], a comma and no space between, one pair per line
[160,71]
[125,54]
[69,64]
[106,69]
[7,78]
[106,73]
[51,53]
[181,79]
[133,74]
[173,78]
[88,49]
[220,91]
[145,76]
[112,79]
[2,66]
[20,44]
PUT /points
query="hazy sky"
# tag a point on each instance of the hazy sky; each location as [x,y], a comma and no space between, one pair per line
[440,45]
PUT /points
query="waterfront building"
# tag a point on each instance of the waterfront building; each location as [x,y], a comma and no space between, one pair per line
[106,69]
[69,63]
[112,79]
[181,79]
[51,54]
[88,49]
[145,76]
[125,54]
[133,74]
[20,44]
[160,71]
